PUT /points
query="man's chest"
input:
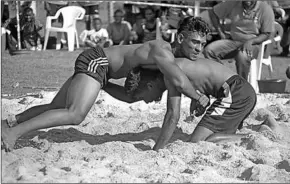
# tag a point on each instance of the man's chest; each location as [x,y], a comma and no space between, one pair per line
[240,17]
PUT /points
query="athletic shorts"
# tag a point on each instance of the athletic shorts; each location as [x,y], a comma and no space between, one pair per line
[236,100]
[94,63]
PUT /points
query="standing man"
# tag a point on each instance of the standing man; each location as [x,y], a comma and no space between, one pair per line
[252,22]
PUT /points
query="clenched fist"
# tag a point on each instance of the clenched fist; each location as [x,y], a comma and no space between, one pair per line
[198,107]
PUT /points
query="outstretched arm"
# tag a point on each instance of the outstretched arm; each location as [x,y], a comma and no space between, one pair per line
[162,55]
[171,117]
[118,92]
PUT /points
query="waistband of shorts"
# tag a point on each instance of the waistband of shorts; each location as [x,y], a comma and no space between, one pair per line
[233,78]
[100,50]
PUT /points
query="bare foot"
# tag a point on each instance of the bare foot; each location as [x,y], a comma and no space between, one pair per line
[271,124]
[8,139]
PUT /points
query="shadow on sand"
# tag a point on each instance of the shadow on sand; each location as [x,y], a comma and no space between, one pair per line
[72,135]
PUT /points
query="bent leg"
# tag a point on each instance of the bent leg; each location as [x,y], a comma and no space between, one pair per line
[243,64]
[204,134]
[200,133]
[81,96]
[58,102]
[222,137]
[221,49]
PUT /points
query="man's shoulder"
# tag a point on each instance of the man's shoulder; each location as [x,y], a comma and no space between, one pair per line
[158,43]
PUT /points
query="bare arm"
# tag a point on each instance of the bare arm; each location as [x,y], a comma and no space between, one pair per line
[118,92]
[162,55]
[259,39]
[216,23]
[171,117]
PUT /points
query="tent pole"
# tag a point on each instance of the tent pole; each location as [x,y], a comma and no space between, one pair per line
[18,25]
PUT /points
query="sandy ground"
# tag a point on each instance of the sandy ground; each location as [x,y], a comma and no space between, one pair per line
[114,144]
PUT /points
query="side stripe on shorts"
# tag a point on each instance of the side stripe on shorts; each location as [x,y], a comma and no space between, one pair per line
[93,65]
[220,106]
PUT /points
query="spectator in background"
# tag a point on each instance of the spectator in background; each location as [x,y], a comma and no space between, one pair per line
[118,31]
[92,11]
[148,31]
[137,29]
[252,22]
[97,36]
[29,28]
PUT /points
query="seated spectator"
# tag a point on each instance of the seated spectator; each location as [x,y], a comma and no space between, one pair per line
[118,31]
[97,36]
[149,28]
[252,22]
[137,29]
[29,31]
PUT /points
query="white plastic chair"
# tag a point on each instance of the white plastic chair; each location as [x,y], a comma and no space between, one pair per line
[256,64]
[70,15]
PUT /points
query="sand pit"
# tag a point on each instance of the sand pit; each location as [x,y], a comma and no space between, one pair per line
[114,144]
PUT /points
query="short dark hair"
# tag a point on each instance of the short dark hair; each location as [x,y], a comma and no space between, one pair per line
[118,11]
[27,9]
[97,18]
[150,8]
[138,78]
[194,24]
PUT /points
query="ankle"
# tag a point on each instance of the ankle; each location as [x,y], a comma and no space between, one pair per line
[11,120]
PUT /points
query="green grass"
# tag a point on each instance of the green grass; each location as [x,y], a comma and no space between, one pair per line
[50,69]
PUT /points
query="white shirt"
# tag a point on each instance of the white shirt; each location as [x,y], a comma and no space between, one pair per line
[93,34]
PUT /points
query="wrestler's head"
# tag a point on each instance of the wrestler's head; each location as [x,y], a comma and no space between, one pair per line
[191,37]
[145,84]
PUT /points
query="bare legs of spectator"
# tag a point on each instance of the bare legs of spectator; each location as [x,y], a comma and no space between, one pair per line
[243,64]
[227,49]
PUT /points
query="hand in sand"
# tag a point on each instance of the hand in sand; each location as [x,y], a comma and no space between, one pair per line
[7,138]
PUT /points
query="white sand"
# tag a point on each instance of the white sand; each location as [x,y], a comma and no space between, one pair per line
[114,144]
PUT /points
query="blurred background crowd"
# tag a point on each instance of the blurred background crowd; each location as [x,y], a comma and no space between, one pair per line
[121,23]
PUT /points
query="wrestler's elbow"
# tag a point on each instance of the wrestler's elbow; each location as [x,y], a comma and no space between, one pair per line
[179,84]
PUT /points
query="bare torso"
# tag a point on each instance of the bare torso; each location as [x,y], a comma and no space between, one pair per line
[207,76]
[123,58]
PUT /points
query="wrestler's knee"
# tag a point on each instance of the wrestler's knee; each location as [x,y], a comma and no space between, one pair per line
[76,116]
[56,105]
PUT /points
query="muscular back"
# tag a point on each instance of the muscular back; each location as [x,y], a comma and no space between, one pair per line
[123,58]
[206,75]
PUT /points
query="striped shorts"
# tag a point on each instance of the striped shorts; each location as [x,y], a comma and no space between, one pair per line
[94,63]
[236,101]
